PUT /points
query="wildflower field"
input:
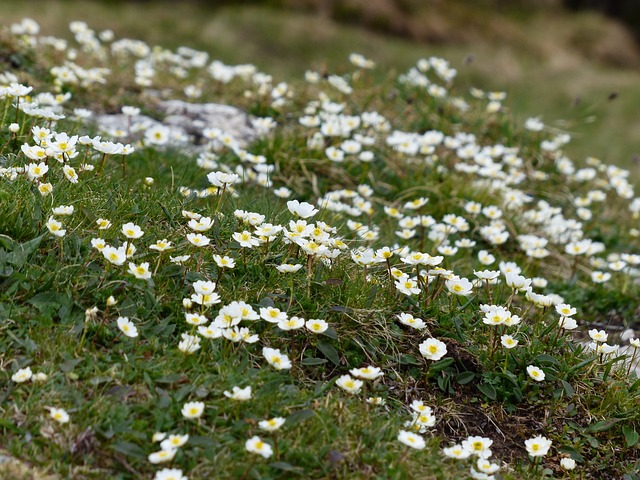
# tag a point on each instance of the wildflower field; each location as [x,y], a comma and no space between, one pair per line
[370,276]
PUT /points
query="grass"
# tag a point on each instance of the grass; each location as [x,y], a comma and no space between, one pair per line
[119,391]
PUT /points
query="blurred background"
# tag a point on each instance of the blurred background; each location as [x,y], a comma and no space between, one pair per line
[575,63]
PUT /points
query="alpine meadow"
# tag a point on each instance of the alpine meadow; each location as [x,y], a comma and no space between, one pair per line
[209,271]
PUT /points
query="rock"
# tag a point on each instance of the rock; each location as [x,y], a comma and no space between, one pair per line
[194,117]
[186,122]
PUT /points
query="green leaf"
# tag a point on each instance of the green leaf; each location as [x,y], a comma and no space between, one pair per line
[46,302]
[331,333]
[99,380]
[572,452]
[465,377]
[545,359]
[313,361]
[488,390]
[584,363]
[287,467]
[631,437]
[171,378]
[408,359]
[299,417]
[129,449]
[321,387]
[201,441]
[330,352]
[602,425]
[568,389]
[23,251]
[267,302]
[443,383]
[69,364]
[5,271]
[440,365]
[510,377]
[88,213]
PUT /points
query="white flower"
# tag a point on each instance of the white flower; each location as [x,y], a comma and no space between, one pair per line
[161,245]
[132,231]
[368,373]
[288,268]
[459,286]
[599,277]
[198,240]
[162,456]
[22,375]
[70,173]
[195,319]
[59,415]
[282,192]
[204,287]
[277,360]
[411,321]
[508,341]
[302,210]
[349,384]
[292,323]
[316,325]
[537,446]
[517,282]
[55,227]
[140,271]
[479,446]
[535,373]
[272,315]
[192,409]
[407,286]
[456,451]
[433,349]
[63,210]
[210,331]
[245,239]
[35,171]
[256,445]
[565,310]
[486,467]
[272,424]
[568,463]
[219,179]
[189,343]
[487,274]
[224,262]
[174,441]
[568,323]
[170,474]
[127,327]
[241,394]
[200,225]
[598,335]
[411,439]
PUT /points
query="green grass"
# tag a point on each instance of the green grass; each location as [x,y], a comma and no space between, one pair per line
[119,391]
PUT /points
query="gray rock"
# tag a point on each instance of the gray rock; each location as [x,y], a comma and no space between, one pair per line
[185,120]
[195,117]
